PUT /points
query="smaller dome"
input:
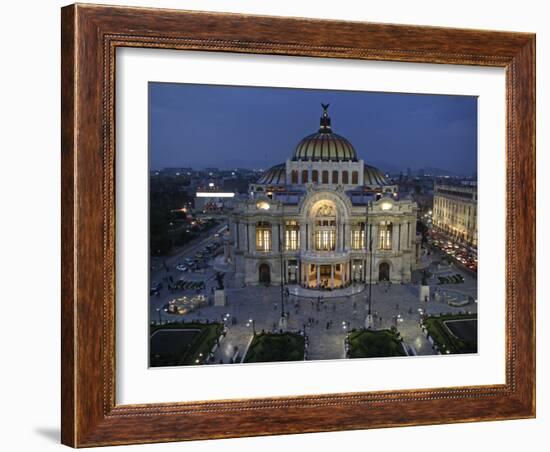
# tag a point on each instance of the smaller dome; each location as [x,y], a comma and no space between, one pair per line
[373,176]
[276,175]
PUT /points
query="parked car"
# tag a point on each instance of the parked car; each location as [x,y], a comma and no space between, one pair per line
[181,268]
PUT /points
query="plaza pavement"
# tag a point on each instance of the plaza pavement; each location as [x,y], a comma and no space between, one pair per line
[342,312]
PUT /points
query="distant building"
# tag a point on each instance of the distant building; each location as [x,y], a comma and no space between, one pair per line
[455,211]
[177,171]
[236,184]
[323,219]
[212,199]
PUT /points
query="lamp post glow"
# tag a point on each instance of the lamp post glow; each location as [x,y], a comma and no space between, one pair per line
[251,322]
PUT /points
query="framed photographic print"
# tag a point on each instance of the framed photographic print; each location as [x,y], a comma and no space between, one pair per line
[278,225]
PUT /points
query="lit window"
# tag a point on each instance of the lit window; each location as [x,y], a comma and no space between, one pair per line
[263,236]
[304,177]
[262,205]
[292,235]
[385,235]
[325,239]
[358,236]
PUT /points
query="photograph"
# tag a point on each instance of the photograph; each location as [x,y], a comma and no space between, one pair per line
[291,224]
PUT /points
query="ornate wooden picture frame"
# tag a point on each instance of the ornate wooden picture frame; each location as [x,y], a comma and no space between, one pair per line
[90,37]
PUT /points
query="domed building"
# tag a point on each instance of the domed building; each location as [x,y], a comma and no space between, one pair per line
[322,219]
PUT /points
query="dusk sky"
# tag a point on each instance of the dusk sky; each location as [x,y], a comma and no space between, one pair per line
[232,126]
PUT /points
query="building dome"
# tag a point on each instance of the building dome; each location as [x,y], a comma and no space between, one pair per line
[325,145]
[373,176]
[276,175]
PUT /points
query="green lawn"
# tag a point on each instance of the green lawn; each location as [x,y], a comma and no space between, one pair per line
[447,341]
[374,344]
[192,342]
[274,347]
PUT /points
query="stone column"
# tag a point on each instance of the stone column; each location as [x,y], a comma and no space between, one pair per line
[275,235]
[332,276]
[318,274]
[394,236]
[252,236]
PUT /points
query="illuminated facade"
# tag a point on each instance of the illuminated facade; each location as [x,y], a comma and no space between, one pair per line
[312,220]
[455,211]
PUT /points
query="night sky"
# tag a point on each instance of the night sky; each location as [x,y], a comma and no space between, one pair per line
[246,127]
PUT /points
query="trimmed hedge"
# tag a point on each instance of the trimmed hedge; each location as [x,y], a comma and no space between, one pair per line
[374,344]
[443,338]
[452,279]
[275,347]
[188,354]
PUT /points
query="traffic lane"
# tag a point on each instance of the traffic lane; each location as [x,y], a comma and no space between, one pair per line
[190,252]
[201,240]
[460,266]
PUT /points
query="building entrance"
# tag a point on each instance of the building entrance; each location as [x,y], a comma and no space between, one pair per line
[265,274]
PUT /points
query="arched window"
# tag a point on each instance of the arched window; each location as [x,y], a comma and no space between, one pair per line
[304,176]
[263,236]
[315,176]
[345,177]
[335,177]
[354,178]
[294,177]
[324,212]
[325,177]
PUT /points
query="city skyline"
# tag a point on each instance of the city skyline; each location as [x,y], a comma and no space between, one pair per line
[231,127]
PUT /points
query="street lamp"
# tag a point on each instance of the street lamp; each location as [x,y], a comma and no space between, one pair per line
[225,317]
[369,321]
[251,322]
[283,319]
[160,319]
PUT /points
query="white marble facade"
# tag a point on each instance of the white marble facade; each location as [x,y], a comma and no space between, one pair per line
[323,219]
